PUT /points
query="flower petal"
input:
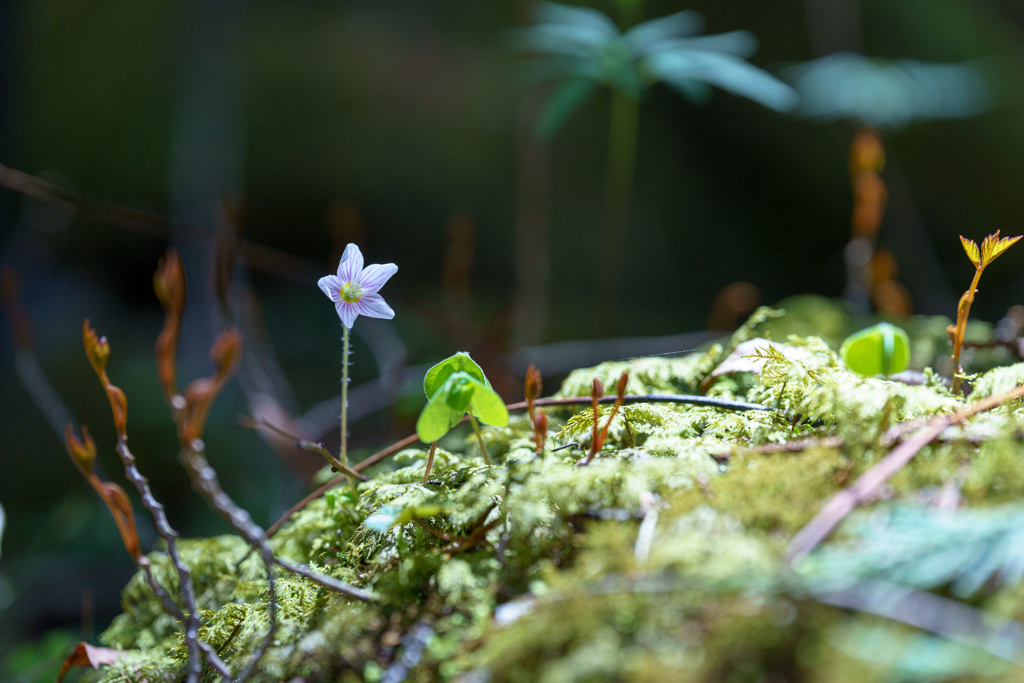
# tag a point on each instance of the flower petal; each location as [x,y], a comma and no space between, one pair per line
[373,277]
[351,264]
[373,306]
[331,286]
[347,312]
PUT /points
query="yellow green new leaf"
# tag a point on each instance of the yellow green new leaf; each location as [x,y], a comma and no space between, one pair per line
[991,248]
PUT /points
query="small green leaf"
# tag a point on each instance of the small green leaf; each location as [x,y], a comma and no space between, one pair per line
[883,349]
[439,374]
[435,421]
[488,406]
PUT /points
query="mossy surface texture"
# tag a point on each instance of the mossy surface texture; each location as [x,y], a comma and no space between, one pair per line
[664,559]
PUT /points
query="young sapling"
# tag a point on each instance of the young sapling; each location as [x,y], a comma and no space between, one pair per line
[455,387]
[991,248]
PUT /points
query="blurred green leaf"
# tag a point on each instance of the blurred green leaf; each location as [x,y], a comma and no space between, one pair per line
[563,102]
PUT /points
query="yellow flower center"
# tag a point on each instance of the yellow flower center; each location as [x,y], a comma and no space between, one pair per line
[351,292]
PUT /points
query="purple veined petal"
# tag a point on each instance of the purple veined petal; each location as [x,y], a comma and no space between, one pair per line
[373,277]
[373,306]
[331,286]
[351,264]
[347,312]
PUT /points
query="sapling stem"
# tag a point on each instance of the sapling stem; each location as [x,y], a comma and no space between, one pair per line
[480,438]
[343,453]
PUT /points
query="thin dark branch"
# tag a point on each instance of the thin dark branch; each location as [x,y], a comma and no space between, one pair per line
[204,480]
[689,399]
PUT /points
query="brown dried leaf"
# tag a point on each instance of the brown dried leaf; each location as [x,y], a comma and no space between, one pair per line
[84,654]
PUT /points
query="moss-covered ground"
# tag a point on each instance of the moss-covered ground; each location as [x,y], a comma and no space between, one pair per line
[662,560]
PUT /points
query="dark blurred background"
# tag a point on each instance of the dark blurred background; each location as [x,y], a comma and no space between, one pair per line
[291,128]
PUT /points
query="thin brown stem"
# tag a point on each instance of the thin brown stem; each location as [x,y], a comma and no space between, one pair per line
[204,479]
[480,439]
[430,461]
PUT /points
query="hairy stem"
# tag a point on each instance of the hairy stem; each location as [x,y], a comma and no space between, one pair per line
[343,453]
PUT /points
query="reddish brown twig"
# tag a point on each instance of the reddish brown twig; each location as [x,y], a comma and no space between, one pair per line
[598,438]
[531,391]
[864,489]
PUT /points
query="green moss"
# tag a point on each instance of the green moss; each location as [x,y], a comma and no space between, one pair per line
[653,562]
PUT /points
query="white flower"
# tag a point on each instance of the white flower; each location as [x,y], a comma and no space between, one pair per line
[354,289]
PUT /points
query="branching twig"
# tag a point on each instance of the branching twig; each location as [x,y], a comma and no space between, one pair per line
[847,500]
[190,619]
[313,446]
[204,479]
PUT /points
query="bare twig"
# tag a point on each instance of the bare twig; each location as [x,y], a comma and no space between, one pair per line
[864,489]
[313,446]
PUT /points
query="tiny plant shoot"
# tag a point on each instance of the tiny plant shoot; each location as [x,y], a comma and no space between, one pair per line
[454,387]
[882,349]
[354,291]
[991,248]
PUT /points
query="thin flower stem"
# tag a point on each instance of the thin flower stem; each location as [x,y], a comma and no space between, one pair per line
[480,438]
[344,396]
[430,461]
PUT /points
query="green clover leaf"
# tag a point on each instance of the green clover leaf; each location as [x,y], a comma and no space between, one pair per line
[883,349]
